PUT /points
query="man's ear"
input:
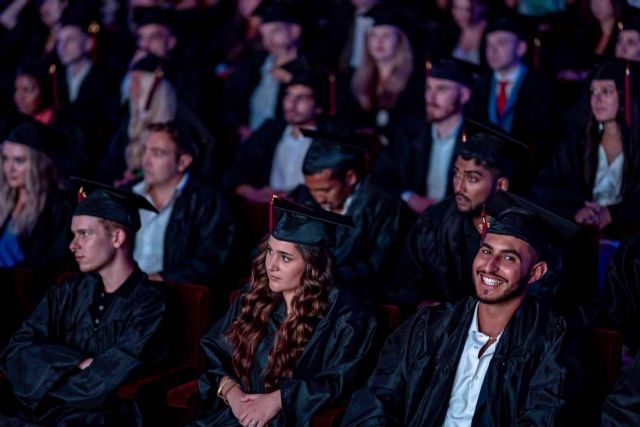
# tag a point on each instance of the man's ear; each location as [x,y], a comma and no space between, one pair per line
[522,48]
[502,184]
[537,271]
[465,94]
[351,178]
[118,237]
[184,161]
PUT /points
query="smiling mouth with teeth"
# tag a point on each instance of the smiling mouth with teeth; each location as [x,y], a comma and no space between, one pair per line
[490,281]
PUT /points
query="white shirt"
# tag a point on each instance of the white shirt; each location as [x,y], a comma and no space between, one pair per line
[286,167]
[264,99]
[149,248]
[469,376]
[606,190]
[74,82]
[362,25]
[440,162]
[511,78]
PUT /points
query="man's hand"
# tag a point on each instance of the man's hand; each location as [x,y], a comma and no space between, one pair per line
[261,408]
[156,277]
[85,363]
[593,214]
[418,204]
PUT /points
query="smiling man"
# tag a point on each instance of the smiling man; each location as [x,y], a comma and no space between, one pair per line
[89,334]
[498,359]
[436,262]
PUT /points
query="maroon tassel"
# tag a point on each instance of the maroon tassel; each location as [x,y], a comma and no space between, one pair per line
[81,195]
[428,67]
[273,197]
[332,94]
[54,86]
[159,74]
[627,94]
[484,226]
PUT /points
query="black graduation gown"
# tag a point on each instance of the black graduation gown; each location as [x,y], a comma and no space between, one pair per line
[621,299]
[365,253]
[404,165]
[326,372]
[622,406]
[526,381]
[436,260]
[42,357]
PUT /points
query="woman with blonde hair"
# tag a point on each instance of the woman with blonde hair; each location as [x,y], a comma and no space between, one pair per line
[35,213]
[292,343]
[383,86]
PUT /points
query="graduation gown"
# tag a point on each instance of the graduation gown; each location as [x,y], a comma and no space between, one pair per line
[365,253]
[41,359]
[621,296]
[404,165]
[526,381]
[326,371]
[436,260]
[622,406]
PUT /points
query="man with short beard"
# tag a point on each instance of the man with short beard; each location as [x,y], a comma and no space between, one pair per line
[418,165]
[499,359]
[436,261]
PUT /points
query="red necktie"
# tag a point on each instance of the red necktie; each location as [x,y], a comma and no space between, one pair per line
[501,99]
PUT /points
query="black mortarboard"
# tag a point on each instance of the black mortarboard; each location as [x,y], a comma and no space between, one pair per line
[331,151]
[77,16]
[35,135]
[510,24]
[452,69]
[385,14]
[305,225]
[279,11]
[152,15]
[114,204]
[630,23]
[517,217]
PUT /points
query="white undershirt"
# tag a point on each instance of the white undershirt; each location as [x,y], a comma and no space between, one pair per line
[286,167]
[264,99]
[440,162]
[469,376]
[606,190]
[511,78]
[74,82]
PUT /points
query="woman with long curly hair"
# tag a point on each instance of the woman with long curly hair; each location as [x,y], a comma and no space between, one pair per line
[595,177]
[291,343]
[34,211]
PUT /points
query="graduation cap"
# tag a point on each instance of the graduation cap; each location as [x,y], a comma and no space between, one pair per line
[453,69]
[279,11]
[305,72]
[631,23]
[35,135]
[331,151]
[107,202]
[510,24]
[518,217]
[306,225]
[385,14]
[153,15]
[78,16]
[619,71]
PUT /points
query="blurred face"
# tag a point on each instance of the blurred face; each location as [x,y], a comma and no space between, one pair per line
[383,42]
[504,50]
[246,7]
[279,35]
[160,164]
[328,191]
[628,45]
[26,95]
[93,247]
[156,39]
[51,11]
[72,45]
[444,98]
[462,12]
[602,9]
[604,100]
[299,105]
[503,267]
[15,164]
[472,185]
[284,265]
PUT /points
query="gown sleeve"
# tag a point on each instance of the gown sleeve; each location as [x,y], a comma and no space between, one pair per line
[622,406]
[90,387]
[33,361]
[342,359]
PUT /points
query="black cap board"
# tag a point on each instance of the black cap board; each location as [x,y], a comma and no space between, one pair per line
[35,135]
[385,14]
[111,203]
[331,151]
[452,69]
[518,217]
[304,224]
[279,11]
[152,15]
[510,24]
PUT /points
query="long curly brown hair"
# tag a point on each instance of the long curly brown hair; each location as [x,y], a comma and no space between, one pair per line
[308,306]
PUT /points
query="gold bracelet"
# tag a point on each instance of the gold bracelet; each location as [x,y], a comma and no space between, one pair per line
[224,383]
[224,396]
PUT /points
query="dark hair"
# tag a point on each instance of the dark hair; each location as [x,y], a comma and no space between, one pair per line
[308,306]
[178,135]
[42,78]
[506,171]
[110,226]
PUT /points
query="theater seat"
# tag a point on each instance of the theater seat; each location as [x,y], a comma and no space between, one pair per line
[607,346]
